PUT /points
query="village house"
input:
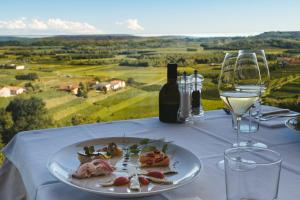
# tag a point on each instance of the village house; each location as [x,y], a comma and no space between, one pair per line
[70,88]
[117,84]
[112,85]
[11,91]
[5,92]
[16,90]
[20,67]
[103,86]
[12,66]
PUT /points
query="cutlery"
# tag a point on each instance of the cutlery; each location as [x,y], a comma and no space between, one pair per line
[269,113]
[278,116]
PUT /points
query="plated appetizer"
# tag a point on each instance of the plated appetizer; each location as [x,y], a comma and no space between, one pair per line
[135,160]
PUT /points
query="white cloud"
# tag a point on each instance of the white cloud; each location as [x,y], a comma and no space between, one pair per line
[72,26]
[38,24]
[13,24]
[56,25]
[132,24]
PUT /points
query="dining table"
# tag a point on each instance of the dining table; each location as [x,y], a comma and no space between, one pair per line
[24,173]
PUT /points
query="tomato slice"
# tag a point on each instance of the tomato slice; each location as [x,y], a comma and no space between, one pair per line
[143,181]
[156,174]
[121,181]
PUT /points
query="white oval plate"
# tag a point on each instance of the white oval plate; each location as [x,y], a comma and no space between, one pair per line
[65,162]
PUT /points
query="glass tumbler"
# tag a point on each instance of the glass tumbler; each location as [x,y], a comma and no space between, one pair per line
[252,173]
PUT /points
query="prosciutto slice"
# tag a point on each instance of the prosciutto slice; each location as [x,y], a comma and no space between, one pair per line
[96,167]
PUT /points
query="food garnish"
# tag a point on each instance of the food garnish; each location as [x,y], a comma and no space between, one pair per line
[119,181]
[135,183]
[156,174]
[88,154]
[143,180]
[112,150]
[159,180]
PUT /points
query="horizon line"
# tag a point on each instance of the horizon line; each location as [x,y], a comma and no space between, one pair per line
[196,35]
[141,34]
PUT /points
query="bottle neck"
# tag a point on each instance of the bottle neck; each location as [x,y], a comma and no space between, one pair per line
[172,80]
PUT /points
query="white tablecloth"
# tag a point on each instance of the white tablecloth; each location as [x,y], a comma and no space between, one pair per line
[25,172]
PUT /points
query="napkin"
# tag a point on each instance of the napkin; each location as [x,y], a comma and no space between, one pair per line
[276,122]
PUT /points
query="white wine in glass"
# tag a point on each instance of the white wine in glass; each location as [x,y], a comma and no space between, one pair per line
[239,86]
[239,102]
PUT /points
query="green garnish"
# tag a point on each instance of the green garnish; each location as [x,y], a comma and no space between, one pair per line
[144,141]
[89,150]
[108,153]
[92,149]
[148,148]
[134,146]
[165,148]
[134,151]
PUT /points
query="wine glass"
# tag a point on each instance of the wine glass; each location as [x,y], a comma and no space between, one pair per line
[265,79]
[239,86]
[226,79]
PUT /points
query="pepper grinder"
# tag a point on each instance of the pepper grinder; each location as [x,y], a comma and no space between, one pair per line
[196,81]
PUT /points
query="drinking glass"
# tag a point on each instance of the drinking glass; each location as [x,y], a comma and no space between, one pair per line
[239,86]
[226,78]
[252,173]
[264,74]
[256,110]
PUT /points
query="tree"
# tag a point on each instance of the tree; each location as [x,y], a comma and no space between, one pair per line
[130,81]
[6,124]
[29,76]
[22,115]
[30,87]
[82,90]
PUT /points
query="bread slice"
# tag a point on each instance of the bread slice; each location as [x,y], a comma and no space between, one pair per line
[154,159]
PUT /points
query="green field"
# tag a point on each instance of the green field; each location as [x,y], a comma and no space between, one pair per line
[68,62]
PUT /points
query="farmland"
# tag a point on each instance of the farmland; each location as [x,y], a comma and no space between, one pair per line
[141,62]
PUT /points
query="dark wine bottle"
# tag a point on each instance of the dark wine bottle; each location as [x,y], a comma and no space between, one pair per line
[169,97]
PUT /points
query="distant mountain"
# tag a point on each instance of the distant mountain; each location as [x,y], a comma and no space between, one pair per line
[68,37]
[12,38]
[288,40]
[280,35]
[269,35]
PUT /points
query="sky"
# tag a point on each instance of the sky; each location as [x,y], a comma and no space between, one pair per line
[148,17]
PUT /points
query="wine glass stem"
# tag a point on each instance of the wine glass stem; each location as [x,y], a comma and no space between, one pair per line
[238,123]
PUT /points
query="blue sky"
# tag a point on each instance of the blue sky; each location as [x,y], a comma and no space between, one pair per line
[234,17]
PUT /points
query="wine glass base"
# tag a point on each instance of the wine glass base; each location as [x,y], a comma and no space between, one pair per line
[260,145]
[221,165]
[242,164]
[250,144]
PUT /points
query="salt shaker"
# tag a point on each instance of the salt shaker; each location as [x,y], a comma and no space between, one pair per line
[196,81]
[184,114]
